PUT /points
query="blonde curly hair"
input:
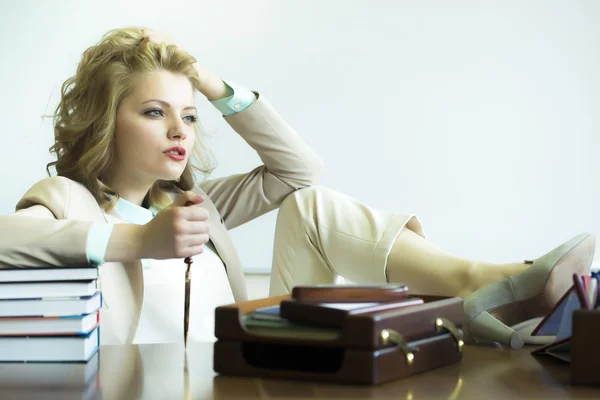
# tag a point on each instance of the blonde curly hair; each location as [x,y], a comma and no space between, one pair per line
[84,120]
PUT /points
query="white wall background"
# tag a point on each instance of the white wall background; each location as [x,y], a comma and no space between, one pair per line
[479,116]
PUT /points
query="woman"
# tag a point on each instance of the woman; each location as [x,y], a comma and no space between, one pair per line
[126,129]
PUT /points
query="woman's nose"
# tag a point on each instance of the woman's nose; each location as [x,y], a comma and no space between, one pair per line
[177,130]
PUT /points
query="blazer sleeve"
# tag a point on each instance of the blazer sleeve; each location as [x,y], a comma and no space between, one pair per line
[289,164]
[39,234]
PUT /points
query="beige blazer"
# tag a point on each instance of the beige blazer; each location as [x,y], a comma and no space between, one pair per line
[51,223]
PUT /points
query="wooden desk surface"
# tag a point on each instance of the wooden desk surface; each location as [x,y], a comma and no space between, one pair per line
[157,372]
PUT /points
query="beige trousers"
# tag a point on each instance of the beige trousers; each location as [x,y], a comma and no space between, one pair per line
[322,235]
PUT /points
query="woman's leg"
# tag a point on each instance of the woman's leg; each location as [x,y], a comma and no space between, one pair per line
[322,234]
[427,269]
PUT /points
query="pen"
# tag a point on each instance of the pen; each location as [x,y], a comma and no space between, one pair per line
[578,285]
[592,292]
[596,277]
[188,282]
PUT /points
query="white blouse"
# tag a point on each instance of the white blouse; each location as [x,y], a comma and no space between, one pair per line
[162,314]
[164,295]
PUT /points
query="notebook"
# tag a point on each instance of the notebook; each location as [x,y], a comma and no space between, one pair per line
[266,322]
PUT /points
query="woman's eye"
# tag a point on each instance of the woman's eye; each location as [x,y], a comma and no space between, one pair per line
[160,113]
[155,113]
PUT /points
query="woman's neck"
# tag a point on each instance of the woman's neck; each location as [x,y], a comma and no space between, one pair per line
[133,197]
[132,190]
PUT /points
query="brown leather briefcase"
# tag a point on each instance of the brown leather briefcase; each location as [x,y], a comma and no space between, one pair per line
[368,349]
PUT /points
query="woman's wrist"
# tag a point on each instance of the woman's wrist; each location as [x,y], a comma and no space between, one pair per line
[211,85]
[125,243]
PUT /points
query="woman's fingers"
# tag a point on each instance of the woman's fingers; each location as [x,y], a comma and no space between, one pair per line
[195,214]
[157,37]
[199,239]
[195,240]
[193,228]
[186,197]
[196,250]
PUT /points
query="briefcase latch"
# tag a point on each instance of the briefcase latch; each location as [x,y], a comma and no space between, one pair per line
[444,323]
[391,336]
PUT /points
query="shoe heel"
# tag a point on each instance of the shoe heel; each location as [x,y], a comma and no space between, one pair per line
[486,327]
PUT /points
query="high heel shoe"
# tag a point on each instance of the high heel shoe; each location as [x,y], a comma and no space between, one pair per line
[491,310]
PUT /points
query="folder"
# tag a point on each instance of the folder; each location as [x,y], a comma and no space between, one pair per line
[576,324]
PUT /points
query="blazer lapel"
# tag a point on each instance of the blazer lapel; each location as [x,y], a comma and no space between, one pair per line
[225,248]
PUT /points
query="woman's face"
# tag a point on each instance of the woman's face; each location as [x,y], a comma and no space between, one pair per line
[154,132]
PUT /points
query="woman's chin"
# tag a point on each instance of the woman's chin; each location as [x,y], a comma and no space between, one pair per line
[169,176]
[166,172]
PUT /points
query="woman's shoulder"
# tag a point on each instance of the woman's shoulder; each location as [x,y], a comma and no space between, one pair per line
[57,186]
[59,194]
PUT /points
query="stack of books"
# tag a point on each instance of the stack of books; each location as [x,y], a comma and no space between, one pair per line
[49,314]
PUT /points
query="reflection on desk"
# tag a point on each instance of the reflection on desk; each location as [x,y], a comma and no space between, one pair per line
[158,372]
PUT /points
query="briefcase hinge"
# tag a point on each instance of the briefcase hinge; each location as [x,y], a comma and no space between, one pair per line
[391,336]
[444,323]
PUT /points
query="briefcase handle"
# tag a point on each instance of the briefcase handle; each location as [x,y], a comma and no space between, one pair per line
[445,323]
[391,336]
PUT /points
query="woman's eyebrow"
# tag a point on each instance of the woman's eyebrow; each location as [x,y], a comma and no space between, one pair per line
[166,104]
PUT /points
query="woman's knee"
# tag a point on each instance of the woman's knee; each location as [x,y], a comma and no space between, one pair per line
[302,201]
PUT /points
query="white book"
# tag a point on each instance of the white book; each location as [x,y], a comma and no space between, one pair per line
[48,325]
[49,348]
[50,307]
[35,290]
[12,274]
